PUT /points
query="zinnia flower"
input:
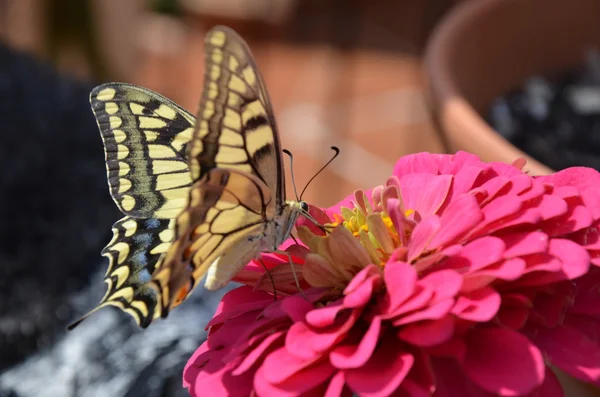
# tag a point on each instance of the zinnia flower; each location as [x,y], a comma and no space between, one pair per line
[455,278]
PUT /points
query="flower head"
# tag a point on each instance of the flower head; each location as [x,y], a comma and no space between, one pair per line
[456,277]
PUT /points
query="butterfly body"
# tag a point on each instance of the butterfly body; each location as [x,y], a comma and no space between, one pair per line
[202,196]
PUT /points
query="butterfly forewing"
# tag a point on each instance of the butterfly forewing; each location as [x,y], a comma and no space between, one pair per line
[145,139]
[236,128]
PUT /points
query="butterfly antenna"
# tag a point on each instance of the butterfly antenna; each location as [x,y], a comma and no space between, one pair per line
[292,171]
[337,152]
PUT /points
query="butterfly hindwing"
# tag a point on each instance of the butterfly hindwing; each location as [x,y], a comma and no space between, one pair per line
[133,253]
[145,138]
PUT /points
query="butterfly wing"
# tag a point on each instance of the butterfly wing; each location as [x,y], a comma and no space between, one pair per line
[236,131]
[236,127]
[224,223]
[145,139]
[133,253]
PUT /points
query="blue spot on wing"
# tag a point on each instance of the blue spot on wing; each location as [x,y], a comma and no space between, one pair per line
[143,240]
[152,223]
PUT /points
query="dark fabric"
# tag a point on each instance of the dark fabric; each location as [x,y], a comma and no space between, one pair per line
[55,210]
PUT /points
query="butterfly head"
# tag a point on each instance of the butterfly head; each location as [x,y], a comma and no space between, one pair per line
[303,205]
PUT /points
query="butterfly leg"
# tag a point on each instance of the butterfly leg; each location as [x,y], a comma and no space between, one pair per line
[293,271]
[270,277]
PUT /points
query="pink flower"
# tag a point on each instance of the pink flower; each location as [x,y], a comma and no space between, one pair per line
[455,278]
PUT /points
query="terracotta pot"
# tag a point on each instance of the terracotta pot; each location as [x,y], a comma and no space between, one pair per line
[485,48]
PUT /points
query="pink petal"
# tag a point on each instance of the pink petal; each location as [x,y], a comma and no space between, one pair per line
[194,364]
[355,356]
[213,377]
[383,373]
[336,385]
[433,312]
[308,343]
[229,333]
[478,306]
[577,218]
[400,279]
[482,252]
[296,307]
[585,179]
[416,163]
[445,283]
[512,317]
[551,308]
[454,163]
[458,219]
[519,219]
[325,316]
[589,326]
[421,380]
[552,207]
[361,288]
[421,237]
[237,301]
[424,193]
[428,333]
[417,301]
[451,380]
[589,237]
[496,187]
[253,357]
[567,260]
[527,243]
[501,208]
[455,348]
[587,294]
[298,383]
[509,270]
[542,263]
[464,180]
[572,351]
[398,218]
[575,259]
[503,362]
[281,365]
[550,388]
[533,191]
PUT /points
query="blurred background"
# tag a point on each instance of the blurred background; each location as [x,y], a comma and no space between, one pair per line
[377,78]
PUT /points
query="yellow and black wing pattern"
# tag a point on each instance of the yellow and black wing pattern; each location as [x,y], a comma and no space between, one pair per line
[235,138]
[133,253]
[197,192]
[145,138]
[236,126]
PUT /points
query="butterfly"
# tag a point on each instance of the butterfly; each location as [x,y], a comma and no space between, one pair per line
[202,196]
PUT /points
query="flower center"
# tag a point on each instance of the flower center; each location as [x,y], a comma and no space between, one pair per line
[358,236]
[373,228]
